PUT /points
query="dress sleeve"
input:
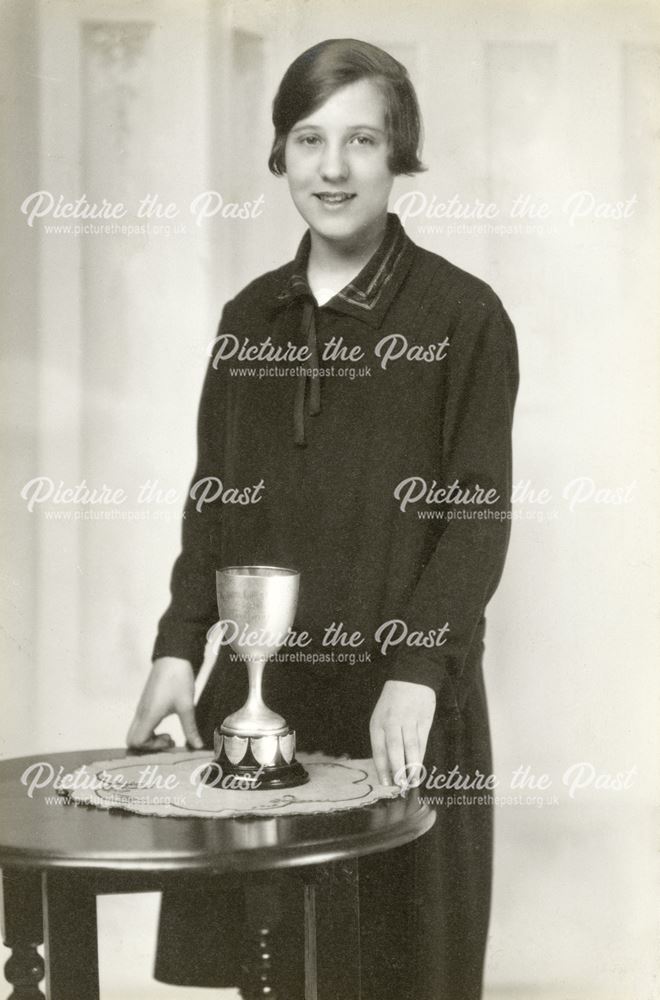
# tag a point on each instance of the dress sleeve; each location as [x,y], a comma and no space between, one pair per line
[193,610]
[465,567]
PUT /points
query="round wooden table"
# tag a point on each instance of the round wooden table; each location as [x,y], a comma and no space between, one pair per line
[56,859]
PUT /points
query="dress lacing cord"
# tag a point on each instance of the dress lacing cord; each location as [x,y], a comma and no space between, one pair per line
[309,377]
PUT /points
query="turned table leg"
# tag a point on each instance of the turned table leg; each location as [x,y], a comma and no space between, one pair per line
[332,932]
[72,961]
[259,978]
[22,931]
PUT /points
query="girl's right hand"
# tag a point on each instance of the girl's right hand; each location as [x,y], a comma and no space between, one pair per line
[169,689]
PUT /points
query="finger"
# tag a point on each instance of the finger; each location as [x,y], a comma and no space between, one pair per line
[154,742]
[411,750]
[142,728]
[161,741]
[379,754]
[189,726]
[139,733]
[395,753]
[423,730]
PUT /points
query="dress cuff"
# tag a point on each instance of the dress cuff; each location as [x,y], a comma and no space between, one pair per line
[186,644]
[417,669]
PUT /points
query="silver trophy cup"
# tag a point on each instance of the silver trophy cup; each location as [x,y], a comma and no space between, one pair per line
[255,744]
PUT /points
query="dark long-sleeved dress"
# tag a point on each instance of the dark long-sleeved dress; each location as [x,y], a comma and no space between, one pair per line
[326,438]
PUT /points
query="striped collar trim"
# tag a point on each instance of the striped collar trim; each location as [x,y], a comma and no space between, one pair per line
[365,291]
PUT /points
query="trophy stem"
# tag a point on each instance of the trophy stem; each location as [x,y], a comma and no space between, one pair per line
[254,718]
[255,702]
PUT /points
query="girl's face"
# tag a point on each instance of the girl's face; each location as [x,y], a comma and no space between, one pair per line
[336,164]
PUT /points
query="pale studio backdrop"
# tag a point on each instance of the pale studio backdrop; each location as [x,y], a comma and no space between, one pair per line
[524,104]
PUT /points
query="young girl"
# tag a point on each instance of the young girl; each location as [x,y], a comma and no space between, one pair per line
[378,466]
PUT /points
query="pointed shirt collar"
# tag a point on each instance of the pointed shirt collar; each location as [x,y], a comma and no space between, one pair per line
[368,296]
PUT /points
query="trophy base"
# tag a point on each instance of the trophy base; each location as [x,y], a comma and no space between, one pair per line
[260,763]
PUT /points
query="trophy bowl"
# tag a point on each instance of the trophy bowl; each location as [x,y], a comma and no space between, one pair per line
[255,745]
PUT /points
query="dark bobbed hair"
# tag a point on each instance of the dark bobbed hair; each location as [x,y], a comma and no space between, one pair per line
[320,71]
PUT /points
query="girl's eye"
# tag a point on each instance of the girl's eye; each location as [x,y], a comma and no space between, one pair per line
[309,140]
[364,140]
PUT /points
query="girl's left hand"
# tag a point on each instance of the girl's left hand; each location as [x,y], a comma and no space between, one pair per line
[399,729]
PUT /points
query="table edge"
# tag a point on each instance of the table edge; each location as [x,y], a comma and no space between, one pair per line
[409,829]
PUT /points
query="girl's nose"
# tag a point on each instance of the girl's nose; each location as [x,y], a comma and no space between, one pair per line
[334,166]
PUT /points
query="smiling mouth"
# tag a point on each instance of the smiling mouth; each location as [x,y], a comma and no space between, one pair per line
[333,197]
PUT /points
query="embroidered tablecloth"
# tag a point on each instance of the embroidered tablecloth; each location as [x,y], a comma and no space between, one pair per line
[168,784]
